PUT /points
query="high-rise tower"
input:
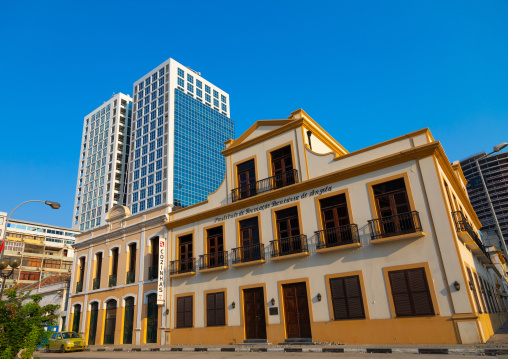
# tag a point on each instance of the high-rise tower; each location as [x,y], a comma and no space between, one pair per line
[103,162]
[180,124]
[495,173]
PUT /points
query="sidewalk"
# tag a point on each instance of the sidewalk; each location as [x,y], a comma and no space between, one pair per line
[496,345]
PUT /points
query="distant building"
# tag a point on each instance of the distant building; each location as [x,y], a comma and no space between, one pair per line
[180,124]
[43,250]
[495,172]
[102,162]
[54,290]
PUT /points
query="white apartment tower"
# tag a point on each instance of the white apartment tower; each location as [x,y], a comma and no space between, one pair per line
[180,123]
[102,162]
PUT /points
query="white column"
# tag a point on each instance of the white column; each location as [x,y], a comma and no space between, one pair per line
[139,300]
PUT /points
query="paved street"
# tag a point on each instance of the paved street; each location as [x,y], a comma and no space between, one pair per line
[219,355]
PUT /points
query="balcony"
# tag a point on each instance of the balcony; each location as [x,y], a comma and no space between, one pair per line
[252,254]
[182,267]
[96,283]
[468,236]
[265,185]
[213,261]
[392,228]
[338,238]
[290,247]
[152,272]
[130,277]
[112,280]
[79,287]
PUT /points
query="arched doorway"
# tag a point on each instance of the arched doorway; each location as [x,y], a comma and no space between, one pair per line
[94,313]
[76,319]
[151,319]
[128,321]
[109,327]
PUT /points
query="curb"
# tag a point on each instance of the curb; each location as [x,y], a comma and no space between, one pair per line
[423,351]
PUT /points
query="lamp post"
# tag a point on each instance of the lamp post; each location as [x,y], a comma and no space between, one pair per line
[13,263]
[496,149]
[54,205]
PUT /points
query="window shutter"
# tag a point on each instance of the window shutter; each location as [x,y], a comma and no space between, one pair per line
[180,312]
[210,309]
[411,296]
[421,296]
[338,298]
[354,297]
[220,310]
[347,298]
[475,294]
[188,311]
[400,292]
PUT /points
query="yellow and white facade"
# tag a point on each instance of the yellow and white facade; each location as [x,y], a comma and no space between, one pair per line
[303,240]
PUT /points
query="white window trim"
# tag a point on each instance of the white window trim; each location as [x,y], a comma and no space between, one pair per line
[93,301]
[129,243]
[104,302]
[128,296]
[145,296]
[110,251]
[74,305]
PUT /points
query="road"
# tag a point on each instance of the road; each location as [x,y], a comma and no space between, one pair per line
[225,355]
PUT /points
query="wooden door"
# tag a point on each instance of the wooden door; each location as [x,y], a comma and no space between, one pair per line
[296,311]
[282,167]
[215,247]
[288,230]
[249,239]
[128,321]
[246,179]
[334,214]
[185,251]
[152,319]
[110,323]
[94,313]
[392,200]
[254,313]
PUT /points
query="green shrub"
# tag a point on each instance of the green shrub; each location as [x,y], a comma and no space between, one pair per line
[22,322]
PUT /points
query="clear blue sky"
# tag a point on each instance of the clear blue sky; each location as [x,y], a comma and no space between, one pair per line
[367,71]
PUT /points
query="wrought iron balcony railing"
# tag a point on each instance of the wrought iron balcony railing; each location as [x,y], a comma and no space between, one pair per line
[96,283]
[396,225]
[79,287]
[338,236]
[265,185]
[213,260]
[290,245]
[130,277]
[462,225]
[254,252]
[152,272]
[182,266]
[112,280]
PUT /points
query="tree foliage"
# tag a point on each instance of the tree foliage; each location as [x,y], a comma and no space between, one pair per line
[22,322]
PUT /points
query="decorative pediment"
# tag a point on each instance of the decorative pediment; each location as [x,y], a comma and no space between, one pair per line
[117,213]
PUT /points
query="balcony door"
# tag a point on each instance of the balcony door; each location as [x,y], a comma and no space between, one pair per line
[334,214]
[288,231]
[215,240]
[282,167]
[185,253]
[391,202]
[246,179]
[249,239]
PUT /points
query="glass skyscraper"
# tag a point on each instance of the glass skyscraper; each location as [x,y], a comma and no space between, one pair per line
[102,162]
[180,123]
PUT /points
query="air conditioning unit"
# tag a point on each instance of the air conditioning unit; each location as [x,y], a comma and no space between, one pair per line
[68,270]
[19,253]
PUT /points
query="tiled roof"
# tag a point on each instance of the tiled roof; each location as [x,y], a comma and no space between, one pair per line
[53,279]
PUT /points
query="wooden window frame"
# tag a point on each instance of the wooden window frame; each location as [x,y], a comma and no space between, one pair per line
[180,296]
[358,274]
[296,165]
[430,284]
[372,199]
[235,169]
[215,291]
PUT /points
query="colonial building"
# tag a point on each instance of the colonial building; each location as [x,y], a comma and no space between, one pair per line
[302,240]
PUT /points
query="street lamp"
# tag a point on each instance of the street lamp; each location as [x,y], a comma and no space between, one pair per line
[54,205]
[496,148]
[13,263]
